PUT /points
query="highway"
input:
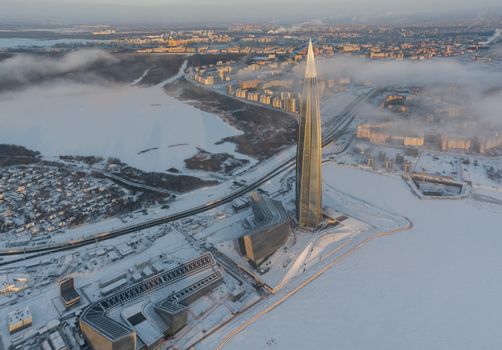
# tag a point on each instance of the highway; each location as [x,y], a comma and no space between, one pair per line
[332,129]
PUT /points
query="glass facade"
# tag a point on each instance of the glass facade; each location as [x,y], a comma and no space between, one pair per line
[308,158]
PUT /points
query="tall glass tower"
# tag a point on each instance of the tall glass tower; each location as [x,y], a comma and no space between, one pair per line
[308,154]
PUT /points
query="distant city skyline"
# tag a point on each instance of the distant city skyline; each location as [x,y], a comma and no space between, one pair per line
[226,11]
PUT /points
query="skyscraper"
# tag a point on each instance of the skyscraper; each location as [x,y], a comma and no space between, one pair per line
[308,154]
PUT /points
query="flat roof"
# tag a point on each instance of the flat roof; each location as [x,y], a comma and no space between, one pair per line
[95,316]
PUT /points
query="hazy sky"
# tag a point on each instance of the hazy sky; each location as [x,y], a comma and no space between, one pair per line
[137,11]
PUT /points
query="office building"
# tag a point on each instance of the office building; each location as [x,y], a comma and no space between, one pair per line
[308,158]
[268,230]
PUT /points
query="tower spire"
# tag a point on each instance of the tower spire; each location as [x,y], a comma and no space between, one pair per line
[309,151]
[310,70]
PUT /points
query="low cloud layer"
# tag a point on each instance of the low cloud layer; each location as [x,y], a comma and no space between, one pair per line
[24,68]
[408,73]
[476,87]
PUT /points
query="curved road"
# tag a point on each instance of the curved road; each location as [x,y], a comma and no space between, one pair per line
[332,129]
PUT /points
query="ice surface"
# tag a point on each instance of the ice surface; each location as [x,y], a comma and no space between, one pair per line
[118,121]
[433,287]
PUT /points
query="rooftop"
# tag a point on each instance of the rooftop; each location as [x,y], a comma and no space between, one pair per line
[97,315]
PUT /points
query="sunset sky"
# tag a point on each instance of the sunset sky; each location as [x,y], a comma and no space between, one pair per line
[187,11]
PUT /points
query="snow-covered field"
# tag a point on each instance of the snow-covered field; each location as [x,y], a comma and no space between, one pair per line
[435,286]
[106,121]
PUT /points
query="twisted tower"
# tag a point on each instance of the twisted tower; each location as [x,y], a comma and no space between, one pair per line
[308,154]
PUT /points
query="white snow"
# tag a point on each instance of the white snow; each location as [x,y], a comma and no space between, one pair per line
[434,287]
[137,81]
[111,121]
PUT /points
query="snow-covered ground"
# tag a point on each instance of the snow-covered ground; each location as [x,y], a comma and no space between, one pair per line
[171,244]
[435,286]
[111,121]
[186,201]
